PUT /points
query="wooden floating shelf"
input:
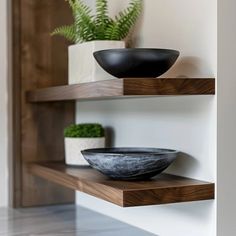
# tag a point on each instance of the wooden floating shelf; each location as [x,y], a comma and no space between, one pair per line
[163,189]
[124,88]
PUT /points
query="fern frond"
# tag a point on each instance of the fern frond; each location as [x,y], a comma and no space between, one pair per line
[88,27]
[102,20]
[128,17]
[67,31]
[101,12]
[113,32]
[84,21]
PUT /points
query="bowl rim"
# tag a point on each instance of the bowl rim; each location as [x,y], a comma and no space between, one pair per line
[123,50]
[152,152]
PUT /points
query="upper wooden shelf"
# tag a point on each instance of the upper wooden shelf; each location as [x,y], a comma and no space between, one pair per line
[124,88]
[163,189]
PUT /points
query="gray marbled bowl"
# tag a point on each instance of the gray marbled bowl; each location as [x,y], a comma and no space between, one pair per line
[130,163]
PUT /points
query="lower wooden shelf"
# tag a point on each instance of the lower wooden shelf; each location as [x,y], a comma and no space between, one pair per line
[163,189]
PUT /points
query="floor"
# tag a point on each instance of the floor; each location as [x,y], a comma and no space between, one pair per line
[62,221]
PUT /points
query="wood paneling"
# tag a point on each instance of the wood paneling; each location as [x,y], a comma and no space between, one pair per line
[124,88]
[39,61]
[16,91]
[163,189]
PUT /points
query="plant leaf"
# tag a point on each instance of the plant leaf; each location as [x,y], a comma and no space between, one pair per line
[88,27]
[102,20]
[67,31]
[85,26]
[128,17]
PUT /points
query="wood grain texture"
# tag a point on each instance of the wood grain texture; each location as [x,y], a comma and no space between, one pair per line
[16,108]
[124,88]
[39,61]
[169,86]
[163,189]
[101,89]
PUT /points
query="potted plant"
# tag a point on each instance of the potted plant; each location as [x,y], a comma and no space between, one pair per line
[79,137]
[94,32]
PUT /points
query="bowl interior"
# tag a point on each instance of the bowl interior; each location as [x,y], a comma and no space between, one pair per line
[129,151]
[138,50]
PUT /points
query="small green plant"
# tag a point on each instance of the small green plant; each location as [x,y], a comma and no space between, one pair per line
[84,131]
[88,27]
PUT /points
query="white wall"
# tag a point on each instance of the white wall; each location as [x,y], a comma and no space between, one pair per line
[184,123]
[3,106]
[226,193]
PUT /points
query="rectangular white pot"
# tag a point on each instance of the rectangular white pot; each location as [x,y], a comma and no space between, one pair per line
[83,67]
[74,146]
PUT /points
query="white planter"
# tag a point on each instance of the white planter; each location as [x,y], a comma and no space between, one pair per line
[83,67]
[74,146]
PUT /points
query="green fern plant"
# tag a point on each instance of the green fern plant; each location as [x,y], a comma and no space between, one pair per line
[88,27]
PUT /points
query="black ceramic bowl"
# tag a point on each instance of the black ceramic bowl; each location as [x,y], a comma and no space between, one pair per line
[130,163]
[136,62]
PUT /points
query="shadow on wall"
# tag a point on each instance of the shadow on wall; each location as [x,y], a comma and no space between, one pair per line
[110,136]
[166,107]
[186,163]
[198,210]
[189,67]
